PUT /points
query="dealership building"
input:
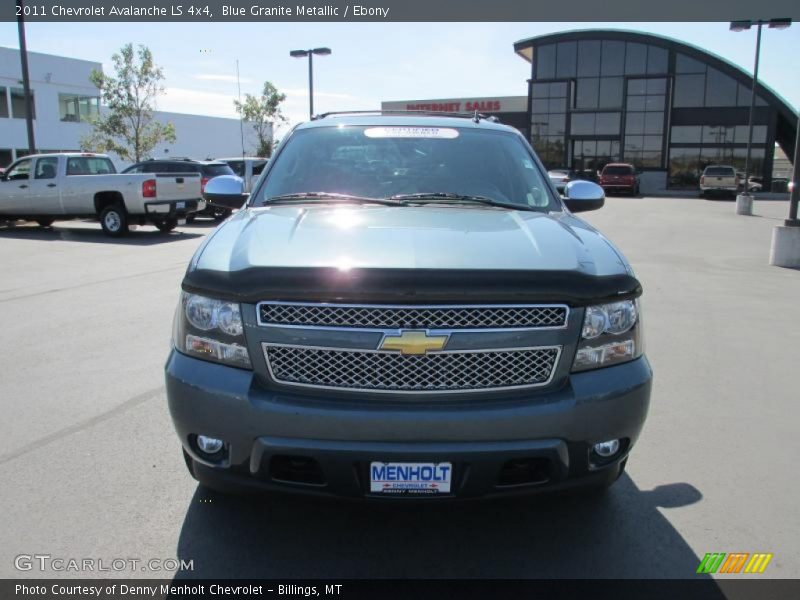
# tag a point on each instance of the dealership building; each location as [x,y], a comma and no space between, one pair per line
[671,109]
[64,99]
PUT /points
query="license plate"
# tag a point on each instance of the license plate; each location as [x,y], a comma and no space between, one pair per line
[401,478]
[180,205]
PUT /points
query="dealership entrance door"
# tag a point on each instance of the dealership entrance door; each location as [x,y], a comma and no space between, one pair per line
[590,156]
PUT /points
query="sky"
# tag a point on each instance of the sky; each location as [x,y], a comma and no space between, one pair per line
[370,62]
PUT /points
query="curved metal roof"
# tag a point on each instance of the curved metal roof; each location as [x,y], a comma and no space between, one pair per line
[787,121]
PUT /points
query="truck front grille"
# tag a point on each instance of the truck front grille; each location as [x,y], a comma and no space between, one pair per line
[547,316]
[378,371]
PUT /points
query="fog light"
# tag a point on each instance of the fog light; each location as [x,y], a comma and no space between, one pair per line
[607,449]
[209,445]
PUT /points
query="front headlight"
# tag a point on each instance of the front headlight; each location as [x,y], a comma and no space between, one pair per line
[611,334]
[210,329]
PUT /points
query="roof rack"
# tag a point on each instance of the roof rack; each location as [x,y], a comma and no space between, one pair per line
[475,116]
[175,158]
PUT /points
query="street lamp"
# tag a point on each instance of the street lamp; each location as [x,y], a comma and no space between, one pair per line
[744,201]
[310,54]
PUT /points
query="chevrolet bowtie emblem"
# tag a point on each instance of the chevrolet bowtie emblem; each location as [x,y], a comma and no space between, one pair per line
[413,342]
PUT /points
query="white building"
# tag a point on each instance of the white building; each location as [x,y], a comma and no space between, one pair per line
[63,96]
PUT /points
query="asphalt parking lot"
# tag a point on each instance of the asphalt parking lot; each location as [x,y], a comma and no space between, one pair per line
[91,467]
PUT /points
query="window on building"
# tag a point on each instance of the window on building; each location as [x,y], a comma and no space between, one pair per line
[545,58]
[3,102]
[686,164]
[18,103]
[589,58]
[590,156]
[548,121]
[635,59]
[644,122]
[689,91]
[720,89]
[657,59]
[601,123]
[610,92]
[613,59]
[717,134]
[684,64]
[686,134]
[586,91]
[566,58]
[75,108]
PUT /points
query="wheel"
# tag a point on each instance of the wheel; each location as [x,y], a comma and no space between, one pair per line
[190,218]
[166,225]
[45,222]
[220,214]
[114,220]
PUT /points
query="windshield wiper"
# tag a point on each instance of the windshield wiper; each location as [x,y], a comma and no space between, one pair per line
[447,197]
[327,196]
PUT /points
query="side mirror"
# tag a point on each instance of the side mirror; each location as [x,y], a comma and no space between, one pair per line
[226,191]
[580,196]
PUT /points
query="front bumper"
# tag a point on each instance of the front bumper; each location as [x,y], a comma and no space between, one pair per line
[555,428]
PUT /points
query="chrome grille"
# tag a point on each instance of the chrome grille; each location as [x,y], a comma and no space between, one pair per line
[394,372]
[413,317]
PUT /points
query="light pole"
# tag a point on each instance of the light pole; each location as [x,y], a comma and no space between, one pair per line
[744,201]
[26,82]
[785,248]
[310,54]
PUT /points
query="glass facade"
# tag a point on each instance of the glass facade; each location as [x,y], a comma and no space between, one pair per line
[596,100]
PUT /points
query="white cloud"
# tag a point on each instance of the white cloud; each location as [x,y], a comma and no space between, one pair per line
[196,102]
[303,92]
[220,77]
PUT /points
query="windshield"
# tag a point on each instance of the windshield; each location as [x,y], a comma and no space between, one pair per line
[620,170]
[397,161]
[217,169]
[720,171]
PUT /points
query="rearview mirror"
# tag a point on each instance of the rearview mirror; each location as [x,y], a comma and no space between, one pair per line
[580,196]
[226,191]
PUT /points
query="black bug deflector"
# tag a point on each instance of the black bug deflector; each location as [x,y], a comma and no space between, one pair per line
[411,286]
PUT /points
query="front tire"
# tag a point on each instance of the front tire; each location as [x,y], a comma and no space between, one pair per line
[45,222]
[114,220]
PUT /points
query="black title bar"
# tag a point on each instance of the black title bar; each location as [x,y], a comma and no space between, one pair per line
[201,11]
[693,588]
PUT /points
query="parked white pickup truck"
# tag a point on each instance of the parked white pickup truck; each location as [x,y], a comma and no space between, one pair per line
[50,187]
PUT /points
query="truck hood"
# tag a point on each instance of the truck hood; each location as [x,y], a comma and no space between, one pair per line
[427,254]
[425,237]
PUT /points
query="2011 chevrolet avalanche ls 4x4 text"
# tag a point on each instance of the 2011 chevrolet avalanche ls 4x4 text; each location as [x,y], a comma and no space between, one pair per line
[406,307]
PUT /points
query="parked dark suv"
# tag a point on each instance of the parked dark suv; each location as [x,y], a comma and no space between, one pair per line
[406,307]
[208,169]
